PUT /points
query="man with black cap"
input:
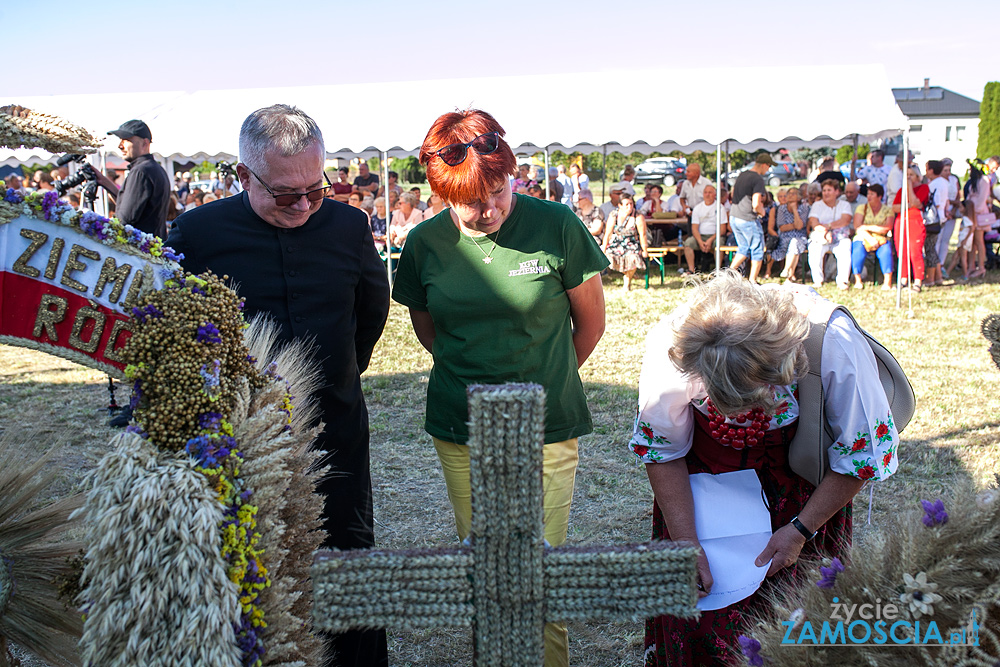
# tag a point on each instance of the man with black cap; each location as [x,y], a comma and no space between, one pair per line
[143,199]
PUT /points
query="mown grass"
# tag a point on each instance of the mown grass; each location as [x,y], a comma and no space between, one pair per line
[955,432]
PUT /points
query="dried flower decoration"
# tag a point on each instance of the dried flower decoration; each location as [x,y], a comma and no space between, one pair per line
[751,651]
[934,513]
[828,575]
[919,595]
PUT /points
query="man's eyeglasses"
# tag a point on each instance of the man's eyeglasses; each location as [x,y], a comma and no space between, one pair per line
[289,199]
[455,154]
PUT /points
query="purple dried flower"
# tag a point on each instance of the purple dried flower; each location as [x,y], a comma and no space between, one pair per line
[210,420]
[13,196]
[829,574]
[934,513]
[208,333]
[751,650]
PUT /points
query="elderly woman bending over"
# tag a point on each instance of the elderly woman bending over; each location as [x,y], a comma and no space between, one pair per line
[718,393]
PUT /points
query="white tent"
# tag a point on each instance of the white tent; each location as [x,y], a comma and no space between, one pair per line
[690,109]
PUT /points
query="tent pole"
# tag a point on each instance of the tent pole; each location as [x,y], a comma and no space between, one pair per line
[904,214]
[854,160]
[604,172]
[388,214]
[718,205]
[546,172]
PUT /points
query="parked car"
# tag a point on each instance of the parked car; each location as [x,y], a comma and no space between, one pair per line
[779,174]
[665,170]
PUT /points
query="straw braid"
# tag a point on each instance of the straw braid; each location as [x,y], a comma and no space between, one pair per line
[31,129]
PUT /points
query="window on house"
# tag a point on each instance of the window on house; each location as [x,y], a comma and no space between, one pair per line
[916,128]
[947,133]
[959,131]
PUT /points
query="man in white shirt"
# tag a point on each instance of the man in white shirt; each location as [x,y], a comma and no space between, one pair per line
[894,181]
[877,172]
[948,224]
[674,203]
[616,196]
[692,189]
[704,226]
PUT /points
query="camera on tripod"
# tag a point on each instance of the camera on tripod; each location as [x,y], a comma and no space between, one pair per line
[84,174]
[224,168]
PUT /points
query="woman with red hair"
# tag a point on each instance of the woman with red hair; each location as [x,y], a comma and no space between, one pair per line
[501,288]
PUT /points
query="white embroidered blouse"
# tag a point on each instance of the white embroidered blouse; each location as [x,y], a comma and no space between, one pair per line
[865,437]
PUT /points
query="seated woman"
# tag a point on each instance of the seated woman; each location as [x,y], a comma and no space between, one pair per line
[590,215]
[872,224]
[625,240]
[729,359]
[434,205]
[652,203]
[789,221]
[830,231]
[405,218]
[378,223]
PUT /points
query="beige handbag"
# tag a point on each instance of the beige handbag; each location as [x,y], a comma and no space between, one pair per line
[807,453]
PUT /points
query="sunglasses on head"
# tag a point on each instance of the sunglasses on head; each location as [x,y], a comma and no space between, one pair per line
[291,198]
[455,154]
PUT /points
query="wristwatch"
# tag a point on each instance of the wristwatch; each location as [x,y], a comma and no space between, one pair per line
[799,526]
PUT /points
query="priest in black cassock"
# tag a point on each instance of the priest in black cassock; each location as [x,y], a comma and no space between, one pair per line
[309,263]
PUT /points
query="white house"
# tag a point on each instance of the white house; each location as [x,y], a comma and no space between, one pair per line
[942,124]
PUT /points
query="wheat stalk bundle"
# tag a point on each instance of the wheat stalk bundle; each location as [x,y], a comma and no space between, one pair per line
[156,592]
[35,556]
[31,129]
[952,557]
[283,471]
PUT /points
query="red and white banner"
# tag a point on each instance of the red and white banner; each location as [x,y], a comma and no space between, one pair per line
[69,294]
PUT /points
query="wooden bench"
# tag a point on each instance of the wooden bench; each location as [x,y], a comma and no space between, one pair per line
[658,255]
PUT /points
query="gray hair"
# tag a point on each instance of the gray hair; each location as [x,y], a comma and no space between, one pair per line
[282,128]
[409,198]
[815,188]
[741,341]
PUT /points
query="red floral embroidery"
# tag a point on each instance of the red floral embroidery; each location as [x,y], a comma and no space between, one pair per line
[859,444]
[648,432]
[782,409]
[881,431]
[886,459]
[640,450]
[866,473]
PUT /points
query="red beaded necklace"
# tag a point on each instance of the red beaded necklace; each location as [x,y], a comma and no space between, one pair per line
[747,430]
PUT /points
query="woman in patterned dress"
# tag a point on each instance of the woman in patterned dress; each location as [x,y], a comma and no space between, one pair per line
[625,240]
[735,348]
[790,225]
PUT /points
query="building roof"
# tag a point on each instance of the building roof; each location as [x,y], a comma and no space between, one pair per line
[934,101]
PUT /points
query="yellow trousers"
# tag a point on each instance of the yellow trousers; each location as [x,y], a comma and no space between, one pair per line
[558,477]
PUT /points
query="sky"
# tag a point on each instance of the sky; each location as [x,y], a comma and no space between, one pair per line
[108,46]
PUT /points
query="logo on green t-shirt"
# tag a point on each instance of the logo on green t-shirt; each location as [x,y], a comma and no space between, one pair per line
[531,266]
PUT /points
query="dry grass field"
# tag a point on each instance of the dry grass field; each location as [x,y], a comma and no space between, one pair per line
[954,434]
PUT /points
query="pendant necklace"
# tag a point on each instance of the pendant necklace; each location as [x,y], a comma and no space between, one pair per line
[487,256]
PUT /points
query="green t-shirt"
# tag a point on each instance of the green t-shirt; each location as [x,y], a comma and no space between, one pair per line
[506,321]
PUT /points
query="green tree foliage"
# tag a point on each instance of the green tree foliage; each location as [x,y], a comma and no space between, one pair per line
[989,121]
[409,169]
[812,155]
[844,153]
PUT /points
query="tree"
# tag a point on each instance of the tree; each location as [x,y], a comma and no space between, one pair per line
[989,121]
[844,153]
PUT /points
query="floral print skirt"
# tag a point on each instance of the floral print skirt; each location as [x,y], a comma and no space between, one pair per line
[624,252]
[712,640]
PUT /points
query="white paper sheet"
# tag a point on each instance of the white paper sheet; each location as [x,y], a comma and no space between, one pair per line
[733,527]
